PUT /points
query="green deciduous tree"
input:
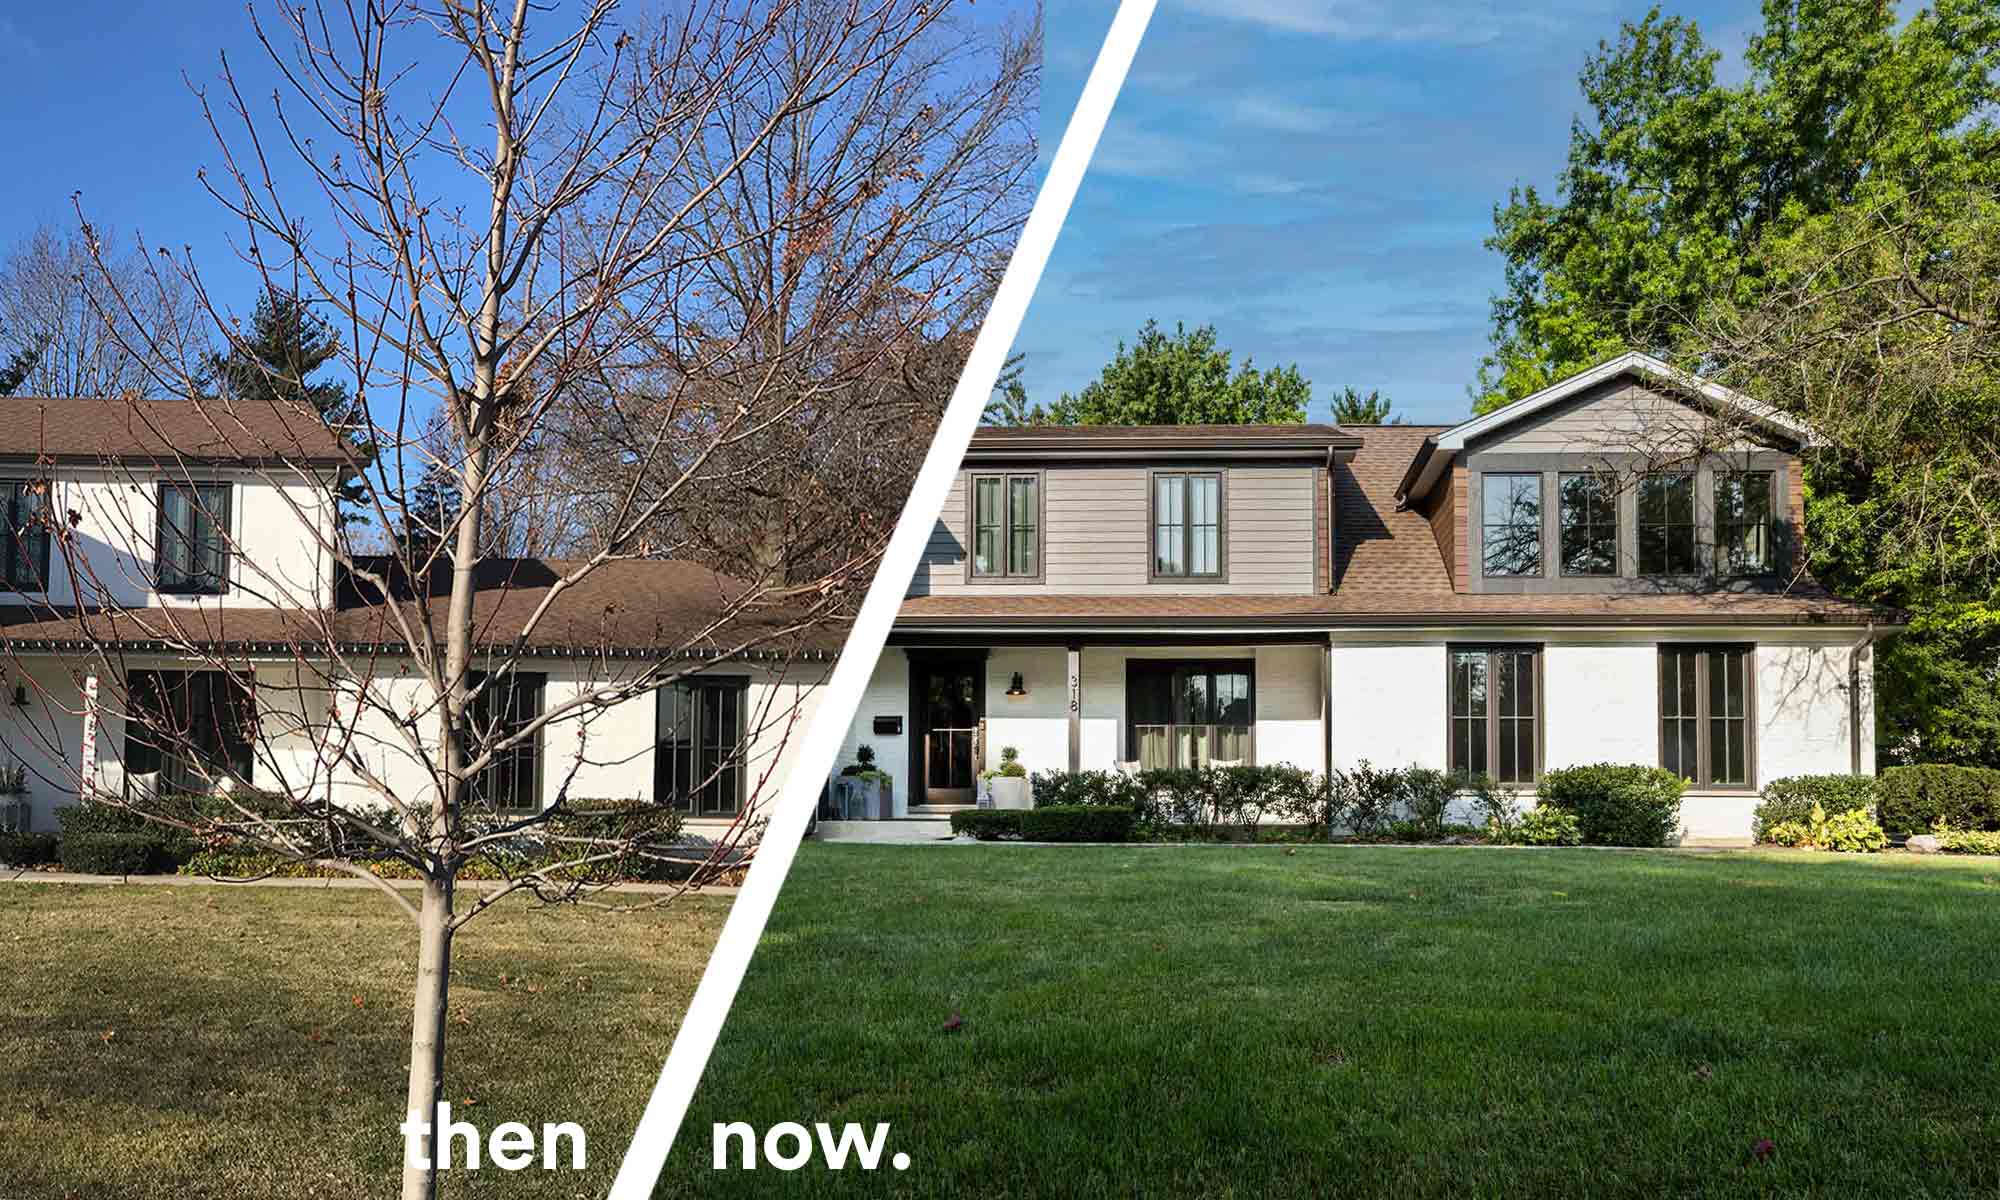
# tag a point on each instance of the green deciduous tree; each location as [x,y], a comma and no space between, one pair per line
[1184,378]
[1674,178]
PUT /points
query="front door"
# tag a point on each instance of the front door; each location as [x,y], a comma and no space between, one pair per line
[950,704]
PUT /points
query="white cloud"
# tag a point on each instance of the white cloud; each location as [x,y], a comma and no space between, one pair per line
[1285,116]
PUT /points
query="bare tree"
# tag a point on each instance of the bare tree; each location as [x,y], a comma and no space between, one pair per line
[59,313]
[514,214]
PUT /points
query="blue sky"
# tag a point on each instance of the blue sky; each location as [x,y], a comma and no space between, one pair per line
[1315,179]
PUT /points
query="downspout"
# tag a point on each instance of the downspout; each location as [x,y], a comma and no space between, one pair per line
[1854,699]
[1332,541]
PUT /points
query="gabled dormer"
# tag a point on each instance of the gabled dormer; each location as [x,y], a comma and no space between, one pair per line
[1151,510]
[1632,476]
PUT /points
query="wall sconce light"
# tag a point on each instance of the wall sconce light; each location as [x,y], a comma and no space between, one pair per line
[1016,688]
[20,695]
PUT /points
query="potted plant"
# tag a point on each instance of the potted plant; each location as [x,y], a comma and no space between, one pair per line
[874,788]
[1008,782]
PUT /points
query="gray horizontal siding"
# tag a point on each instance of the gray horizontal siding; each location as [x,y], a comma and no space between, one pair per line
[1097,539]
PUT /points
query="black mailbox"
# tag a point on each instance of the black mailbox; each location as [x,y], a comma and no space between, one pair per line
[888,726]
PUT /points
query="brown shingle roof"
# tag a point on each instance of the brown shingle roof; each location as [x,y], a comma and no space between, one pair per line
[1182,440]
[1388,571]
[83,428]
[622,608]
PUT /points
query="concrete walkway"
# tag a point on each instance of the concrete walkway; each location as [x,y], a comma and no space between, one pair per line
[16,875]
[904,831]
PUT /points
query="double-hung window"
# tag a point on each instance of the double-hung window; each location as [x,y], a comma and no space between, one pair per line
[192,727]
[1189,714]
[193,538]
[26,554]
[1707,733]
[1587,505]
[698,760]
[1495,711]
[1743,522]
[499,717]
[1187,525]
[1007,526]
[1511,524]
[1666,524]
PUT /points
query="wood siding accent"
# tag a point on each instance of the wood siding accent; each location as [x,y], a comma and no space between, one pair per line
[1097,539]
[1323,539]
[1447,502]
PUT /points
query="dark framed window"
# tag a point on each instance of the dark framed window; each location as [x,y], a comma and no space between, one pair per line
[503,708]
[1187,524]
[1707,715]
[1496,704]
[1511,524]
[698,759]
[1183,713]
[1743,503]
[193,538]
[26,554]
[1666,525]
[194,728]
[1587,507]
[1007,526]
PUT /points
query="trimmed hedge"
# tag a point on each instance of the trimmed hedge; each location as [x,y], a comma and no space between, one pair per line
[987,824]
[1617,805]
[1793,798]
[28,849]
[99,839]
[1077,823]
[1913,799]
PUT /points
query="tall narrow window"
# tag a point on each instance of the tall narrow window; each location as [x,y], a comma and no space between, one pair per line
[1006,526]
[1743,522]
[26,553]
[193,538]
[192,727]
[1495,704]
[500,714]
[1511,524]
[698,760]
[1706,715]
[1666,525]
[1187,525]
[1588,507]
[1189,714]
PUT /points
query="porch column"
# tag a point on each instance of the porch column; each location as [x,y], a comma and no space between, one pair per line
[1075,707]
[1326,701]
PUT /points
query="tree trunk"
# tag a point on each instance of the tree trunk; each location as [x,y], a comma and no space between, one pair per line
[427,1035]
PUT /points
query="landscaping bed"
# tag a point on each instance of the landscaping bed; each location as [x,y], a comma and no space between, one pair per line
[1399,1023]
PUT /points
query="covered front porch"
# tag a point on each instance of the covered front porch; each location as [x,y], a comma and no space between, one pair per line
[938,711]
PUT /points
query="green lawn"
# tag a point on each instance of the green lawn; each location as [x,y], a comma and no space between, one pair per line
[1221,1021]
[207,1041]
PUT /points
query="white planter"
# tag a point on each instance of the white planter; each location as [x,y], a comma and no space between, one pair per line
[1012,792]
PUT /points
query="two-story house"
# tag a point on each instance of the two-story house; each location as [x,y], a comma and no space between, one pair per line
[193,579]
[1607,571]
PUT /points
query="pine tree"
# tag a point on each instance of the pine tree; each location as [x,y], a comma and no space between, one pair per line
[1353,408]
[286,345]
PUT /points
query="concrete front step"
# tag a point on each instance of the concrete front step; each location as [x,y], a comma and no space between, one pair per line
[906,829]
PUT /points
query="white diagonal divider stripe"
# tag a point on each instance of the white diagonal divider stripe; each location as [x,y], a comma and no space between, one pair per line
[842,694]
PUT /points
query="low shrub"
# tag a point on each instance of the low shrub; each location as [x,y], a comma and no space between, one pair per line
[1060,789]
[1427,795]
[1173,796]
[987,824]
[1850,832]
[1373,798]
[28,849]
[1617,805]
[1077,823]
[1546,825]
[1913,799]
[1969,841]
[1793,798]
[118,854]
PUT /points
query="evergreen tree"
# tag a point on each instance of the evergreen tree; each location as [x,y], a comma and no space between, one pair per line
[1184,378]
[287,344]
[1353,408]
